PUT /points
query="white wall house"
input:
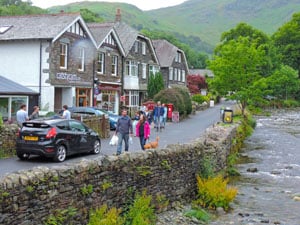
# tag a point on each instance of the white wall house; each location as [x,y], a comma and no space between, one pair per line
[50,55]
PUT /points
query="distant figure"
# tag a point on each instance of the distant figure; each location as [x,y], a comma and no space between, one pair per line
[149,116]
[35,114]
[158,114]
[123,130]
[66,113]
[143,130]
[22,115]
[165,115]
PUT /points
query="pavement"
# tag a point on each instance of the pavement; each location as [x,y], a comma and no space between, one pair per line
[185,131]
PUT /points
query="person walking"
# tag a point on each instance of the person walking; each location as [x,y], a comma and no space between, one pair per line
[165,115]
[158,114]
[123,130]
[143,130]
[22,115]
[66,113]
[35,114]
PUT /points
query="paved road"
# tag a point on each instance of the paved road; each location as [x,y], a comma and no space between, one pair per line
[182,132]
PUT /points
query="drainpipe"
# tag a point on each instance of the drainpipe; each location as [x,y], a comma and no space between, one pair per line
[40,75]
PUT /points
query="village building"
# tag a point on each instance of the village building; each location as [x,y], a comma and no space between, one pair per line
[51,54]
[173,63]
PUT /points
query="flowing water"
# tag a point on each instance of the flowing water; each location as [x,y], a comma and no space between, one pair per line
[269,185]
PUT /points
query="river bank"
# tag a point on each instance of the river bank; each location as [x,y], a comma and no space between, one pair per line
[270,177]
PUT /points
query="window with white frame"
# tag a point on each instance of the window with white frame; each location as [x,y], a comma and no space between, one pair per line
[100,62]
[144,70]
[136,46]
[114,65]
[171,73]
[131,68]
[133,98]
[81,59]
[175,73]
[179,75]
[178,57]
[144,48]
[183,75]
[153,69]
[63,55]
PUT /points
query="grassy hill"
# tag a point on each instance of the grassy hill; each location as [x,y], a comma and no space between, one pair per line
[202,20]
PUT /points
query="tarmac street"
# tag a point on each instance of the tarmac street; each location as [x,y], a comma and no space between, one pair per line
[185,131]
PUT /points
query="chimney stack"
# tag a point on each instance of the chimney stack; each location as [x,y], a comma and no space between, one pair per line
[118,15]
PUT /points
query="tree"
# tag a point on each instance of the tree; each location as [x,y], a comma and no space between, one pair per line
[195,83]
[236,67]
[258,39]
[286,40]
[90,16]
[155,84]
[284,83]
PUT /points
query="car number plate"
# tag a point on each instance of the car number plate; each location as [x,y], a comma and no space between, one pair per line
[30,138]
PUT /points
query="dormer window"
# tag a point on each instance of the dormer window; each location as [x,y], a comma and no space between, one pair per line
[178,57]
[3,29]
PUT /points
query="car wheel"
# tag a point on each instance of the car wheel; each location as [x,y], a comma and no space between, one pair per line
[97,147]
[23,156]
[61,153]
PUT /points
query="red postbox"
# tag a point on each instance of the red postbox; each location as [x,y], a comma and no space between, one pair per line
[150,105]
[170,108]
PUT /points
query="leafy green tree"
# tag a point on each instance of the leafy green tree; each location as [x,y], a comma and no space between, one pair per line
[90,16]
[287,41]
[284,83]
[155,84]
[258,39]
[18,7]
[236,68]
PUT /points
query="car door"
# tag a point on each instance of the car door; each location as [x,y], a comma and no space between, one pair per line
[68,136]
[83,144]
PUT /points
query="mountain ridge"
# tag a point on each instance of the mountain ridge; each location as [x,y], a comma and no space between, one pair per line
[204,20]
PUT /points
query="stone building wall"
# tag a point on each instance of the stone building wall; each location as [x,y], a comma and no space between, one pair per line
[30,197]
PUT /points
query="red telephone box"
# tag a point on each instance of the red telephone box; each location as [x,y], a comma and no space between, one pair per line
[170,108]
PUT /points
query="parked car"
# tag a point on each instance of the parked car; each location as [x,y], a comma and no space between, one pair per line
[113,118]
[56,138]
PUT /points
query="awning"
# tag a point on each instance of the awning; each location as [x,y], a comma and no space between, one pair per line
[9,87]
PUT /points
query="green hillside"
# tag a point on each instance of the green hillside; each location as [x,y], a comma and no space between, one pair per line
[202,20]
[210,18]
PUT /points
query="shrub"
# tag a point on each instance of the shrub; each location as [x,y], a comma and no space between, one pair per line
[178,96]
[199,214]
[290,103]
[141,212]
[200,98]
[214,193]
[103,216]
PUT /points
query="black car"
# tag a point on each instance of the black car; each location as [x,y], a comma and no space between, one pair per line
[56,138]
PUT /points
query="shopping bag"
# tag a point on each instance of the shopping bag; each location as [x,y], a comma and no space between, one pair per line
[114,140]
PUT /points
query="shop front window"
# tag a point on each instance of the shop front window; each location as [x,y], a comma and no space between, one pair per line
[4,108]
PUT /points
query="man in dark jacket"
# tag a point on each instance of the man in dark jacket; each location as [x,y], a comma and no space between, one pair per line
[158,115]
[123,130]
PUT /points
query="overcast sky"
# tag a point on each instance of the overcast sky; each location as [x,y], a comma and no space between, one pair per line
[142,4]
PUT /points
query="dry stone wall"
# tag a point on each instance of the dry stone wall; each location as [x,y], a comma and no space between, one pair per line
[30,197]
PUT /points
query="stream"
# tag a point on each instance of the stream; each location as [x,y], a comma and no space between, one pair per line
[269,185]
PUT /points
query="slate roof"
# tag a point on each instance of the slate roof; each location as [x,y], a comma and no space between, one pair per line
[202,72]
[43,26]
[127,35]
[9,87]
[101,30]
